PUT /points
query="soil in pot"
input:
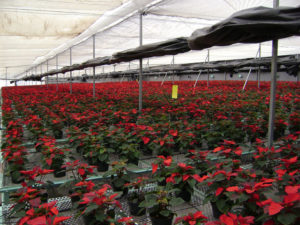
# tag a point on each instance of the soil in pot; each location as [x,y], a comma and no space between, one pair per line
[161,220]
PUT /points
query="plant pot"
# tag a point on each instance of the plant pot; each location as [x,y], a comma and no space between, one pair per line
[90,219]
[135,210]
[161,220]
[185,195]
[56,166]
[119,188]
[147,152]
[58,134]
[134,161]
[102,166]
[38,148]
[216,212]
[16,177]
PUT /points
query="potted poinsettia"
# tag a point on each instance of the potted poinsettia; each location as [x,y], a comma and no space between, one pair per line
[160,169]
[99,206]
[231,218]
[15,156]
[54,158]
[119,176]
[99,156]
[183,177]
[79,185]
[158,204]
[196,218]
[44,214]
[136,194]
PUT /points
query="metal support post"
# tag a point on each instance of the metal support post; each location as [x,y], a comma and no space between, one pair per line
[197,78]
[94,68]
[47,78]
[41,70]
[56,59]
[6,76]
[208,69]
[141,67]
[273,87]
[70,71]
[164,79]
[225,75]
[246,81]
[258,71]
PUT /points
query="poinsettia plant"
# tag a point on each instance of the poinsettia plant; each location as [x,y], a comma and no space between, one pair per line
[44,214]
[196,218]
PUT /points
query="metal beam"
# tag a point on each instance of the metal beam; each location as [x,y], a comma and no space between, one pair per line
[47,78]
[208,69]
[258,71]
[273,87]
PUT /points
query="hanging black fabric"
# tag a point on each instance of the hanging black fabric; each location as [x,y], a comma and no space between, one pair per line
[252,25]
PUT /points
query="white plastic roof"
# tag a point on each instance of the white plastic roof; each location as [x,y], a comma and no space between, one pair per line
[118,30]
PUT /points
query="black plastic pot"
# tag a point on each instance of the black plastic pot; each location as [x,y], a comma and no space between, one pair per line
[216,212]
[61,172]
[58,134]
[161,220]
[135,210]
[102,166]
[133,161]
[185,195]
[16,177]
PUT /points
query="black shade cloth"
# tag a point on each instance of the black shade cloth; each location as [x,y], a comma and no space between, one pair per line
[252,25]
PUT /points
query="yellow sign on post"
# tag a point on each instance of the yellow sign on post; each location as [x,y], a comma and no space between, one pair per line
[174,91]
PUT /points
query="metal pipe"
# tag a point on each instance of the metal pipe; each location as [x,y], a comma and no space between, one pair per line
[41,72]
[258,71]
[94,68]
[164,79]
[246,81]
[141,67]
[70,71]
[273,87]
[47,78]
[208,69]
[197,78]
[6,76]
[56,59]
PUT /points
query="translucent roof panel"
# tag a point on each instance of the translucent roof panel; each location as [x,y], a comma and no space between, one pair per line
[38,31]
[32,28]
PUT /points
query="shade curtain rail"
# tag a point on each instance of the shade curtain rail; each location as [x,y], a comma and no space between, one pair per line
[252,25]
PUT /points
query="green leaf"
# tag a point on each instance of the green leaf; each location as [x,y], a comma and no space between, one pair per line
[221,204]
[287,218]
[90,208]
[100,217]
[165,213]
[176,201]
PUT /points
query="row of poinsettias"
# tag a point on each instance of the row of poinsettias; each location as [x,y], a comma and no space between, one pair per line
[268,193]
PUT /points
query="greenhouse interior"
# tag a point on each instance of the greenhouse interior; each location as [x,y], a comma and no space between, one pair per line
[140,112]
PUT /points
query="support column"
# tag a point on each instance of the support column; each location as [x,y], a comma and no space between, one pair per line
[41,72]
[94,68]
[141,67]
[71,71]
[6,76]
[273,87]
[47,78]
[208,69]
[258,71]
[56,59]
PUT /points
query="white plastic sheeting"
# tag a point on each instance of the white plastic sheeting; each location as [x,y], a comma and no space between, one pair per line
[118,30]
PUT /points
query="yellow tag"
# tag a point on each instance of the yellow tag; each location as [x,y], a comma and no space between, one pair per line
[174,91]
